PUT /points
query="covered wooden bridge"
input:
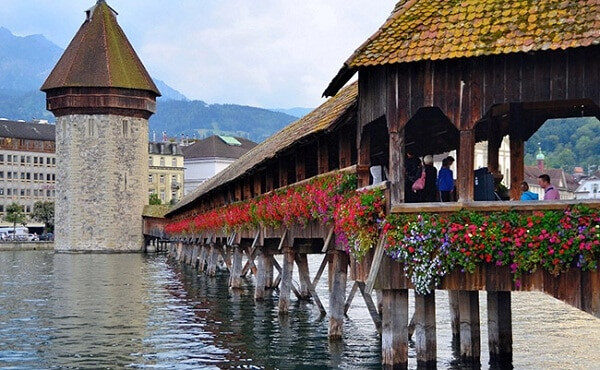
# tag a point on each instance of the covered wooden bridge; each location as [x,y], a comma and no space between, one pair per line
[437,76]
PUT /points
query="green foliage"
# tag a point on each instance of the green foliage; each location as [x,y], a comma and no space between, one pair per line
[44,212]
[566,143]
[15,215]
[154,200]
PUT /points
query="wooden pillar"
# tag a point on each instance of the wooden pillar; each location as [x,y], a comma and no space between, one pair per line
[454,314]
[345,151]
[283,173]
[300,164]
[517,166]
[202,258]
[268,269]
[257,185]
[323,156]
[470,344]
[235,278]
[364,158]
[493,151]
[213,258]
[396,166]
[302,262]
[394,329]
[465,169]
[261,278]
[337,298]
[500,328]
[286,280]
[425,330]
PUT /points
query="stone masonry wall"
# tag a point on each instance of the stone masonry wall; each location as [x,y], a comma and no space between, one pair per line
[102,171]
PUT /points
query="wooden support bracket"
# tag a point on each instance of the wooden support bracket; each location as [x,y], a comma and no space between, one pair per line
[311,288]
[350,297]
[251,256]
[375,265]
[327,241]
[370,305]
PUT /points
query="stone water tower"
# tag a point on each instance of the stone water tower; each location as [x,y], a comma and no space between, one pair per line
[102,97]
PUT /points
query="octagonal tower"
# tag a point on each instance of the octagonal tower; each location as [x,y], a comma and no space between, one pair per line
[102,97]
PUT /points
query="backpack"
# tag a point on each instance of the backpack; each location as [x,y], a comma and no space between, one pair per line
[420,183]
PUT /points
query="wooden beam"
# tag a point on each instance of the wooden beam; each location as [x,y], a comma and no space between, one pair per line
[323,156]
[364,158]
[396,166]
[300,164]
[394,333]
[338,295]
[327,240]
[377,258]
[500,328]
[345,150]
[454,314]
[286,281]
[470,333]
[305,280]
[465,166]
[350,297]
[371,307]
[302,263]
[425,330]
[261,277]
[517,166]
[250,255]
[320,270]
[235,278]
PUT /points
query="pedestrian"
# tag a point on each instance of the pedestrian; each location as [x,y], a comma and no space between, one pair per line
[430,193]
[412,172]
[445,180]
[527,195]
[550,192]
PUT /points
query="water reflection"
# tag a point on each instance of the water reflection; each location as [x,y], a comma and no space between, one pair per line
[133,311]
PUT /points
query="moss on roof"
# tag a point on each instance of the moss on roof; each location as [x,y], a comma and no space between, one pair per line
[156,211]
[100,55]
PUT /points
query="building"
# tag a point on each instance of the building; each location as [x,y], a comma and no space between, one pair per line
[102,97]
[166,172]
[589,189]
[27,164]
[209,156]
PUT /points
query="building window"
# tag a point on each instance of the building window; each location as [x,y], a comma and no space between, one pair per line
[29,159]
[162,179]
[595,188]
[162,161]
[1,208]
[9,175]
[22,175]
[22,159]
[54,161]
[162,195]
[35,160]
[1,191]
[28,209]
[48,193]
[1,175]
[174,178]
[28,192]
[8,191]
[9,159]
[174,162]
[150,178]
[28,176]
[22,192]
[149,161]
[1,158]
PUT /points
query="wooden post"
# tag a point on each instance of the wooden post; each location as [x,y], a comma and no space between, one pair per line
[454,315]
[235,279]
[500,328]
[261,278]
[202,258]
[465,168]
[337,298]
[364,158]
[517,166]
[286,280]
[300,165]
[213,259]
[323,156]
[302,262]
[470,345]
[268,266]
[425,331]
[396,166]
[493,150]
[345,151]
[394,333]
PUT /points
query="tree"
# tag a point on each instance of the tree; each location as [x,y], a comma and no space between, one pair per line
[154,199]
[16,215]
[44,212]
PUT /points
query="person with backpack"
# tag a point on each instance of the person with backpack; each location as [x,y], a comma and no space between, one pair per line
[413,171]
[430,193]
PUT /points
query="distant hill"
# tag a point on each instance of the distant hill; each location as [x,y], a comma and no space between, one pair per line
[297,112]
[25,62]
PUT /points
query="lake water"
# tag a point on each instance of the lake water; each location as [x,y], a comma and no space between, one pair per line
[107,311]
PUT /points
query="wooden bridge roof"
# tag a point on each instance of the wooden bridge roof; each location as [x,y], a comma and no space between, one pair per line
[100,55]
[321,119]
[434,30]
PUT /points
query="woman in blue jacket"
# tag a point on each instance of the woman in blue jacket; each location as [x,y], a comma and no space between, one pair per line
[445,180]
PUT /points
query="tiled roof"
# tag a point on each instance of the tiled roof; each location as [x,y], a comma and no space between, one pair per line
[558,177]
[444,29]
[166,148]
[100,56]
[321,119]
[27,130]
[215,147]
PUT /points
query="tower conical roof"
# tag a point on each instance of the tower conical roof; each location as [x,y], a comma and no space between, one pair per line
[100,56]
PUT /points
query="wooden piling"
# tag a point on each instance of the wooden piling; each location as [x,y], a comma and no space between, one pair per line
[213,258]
[202,258]
[261,277]
[337,298]
[235,278]
[268,265]
[500,328]
[302,262]
[470,345]
[286,280]
[454,315]
[394,334]
[196,251]
[425,331]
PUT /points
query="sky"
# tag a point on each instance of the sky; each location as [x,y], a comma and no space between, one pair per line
[265,53]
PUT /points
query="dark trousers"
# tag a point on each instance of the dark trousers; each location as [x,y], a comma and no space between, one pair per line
[446,196]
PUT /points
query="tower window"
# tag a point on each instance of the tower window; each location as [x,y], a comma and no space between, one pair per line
[125,128]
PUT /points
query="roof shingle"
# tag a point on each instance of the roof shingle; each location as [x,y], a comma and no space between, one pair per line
[215,147]
[100,56]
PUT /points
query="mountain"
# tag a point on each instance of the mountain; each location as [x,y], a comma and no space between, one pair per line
[25,62]
[297,112]
[198,118]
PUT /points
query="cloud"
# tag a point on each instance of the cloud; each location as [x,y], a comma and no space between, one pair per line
[270,53]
